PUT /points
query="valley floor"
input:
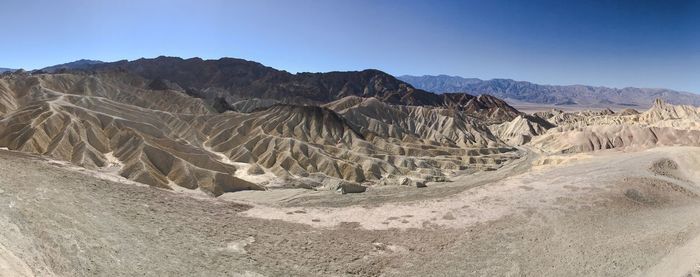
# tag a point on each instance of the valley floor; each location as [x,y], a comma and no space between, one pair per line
[609,213]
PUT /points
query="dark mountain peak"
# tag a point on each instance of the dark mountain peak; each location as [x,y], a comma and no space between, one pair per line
[226,81]
[161,58]
[484,106]
[86,61]
[76,65]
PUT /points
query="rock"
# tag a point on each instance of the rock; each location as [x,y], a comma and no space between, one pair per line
[302,183]
[629,112]
[406,181]
[345,186]
[438,179]
[410,182]
[255,169]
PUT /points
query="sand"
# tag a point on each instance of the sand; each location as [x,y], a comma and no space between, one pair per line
[574,218]
[542,189]
[10,265]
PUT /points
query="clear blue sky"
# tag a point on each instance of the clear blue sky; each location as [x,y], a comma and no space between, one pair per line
[611,43]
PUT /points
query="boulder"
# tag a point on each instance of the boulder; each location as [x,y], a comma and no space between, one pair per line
[345,186]
[438,179]
[405,181]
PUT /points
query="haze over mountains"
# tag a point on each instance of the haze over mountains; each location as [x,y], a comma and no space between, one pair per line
[576,95]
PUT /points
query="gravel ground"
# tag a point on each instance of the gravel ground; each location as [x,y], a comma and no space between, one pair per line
[608,215]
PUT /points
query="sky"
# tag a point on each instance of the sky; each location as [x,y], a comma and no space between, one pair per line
[610,43]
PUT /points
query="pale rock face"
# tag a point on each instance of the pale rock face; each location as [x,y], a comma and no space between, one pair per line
[557,131]
[518,131]
[165,137]
[662,125]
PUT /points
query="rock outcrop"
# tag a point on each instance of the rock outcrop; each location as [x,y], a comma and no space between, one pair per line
[520,130]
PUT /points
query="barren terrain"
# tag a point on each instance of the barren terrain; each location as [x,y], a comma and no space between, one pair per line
[172,167]
[587,217]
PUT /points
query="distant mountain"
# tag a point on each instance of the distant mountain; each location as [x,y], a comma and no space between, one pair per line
[3,70]
[80,64]
[228,81]
[440,83]
[548,94]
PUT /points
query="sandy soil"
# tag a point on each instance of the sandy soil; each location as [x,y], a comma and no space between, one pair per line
[606,214]
[10,265]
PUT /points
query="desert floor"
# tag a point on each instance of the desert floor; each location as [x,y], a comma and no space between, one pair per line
[607,213]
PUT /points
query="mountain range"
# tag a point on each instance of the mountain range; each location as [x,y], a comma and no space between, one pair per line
[571,95]
[2,70]
[226,82]
[443,168]
[225,125]
[229,124]
[235,84]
